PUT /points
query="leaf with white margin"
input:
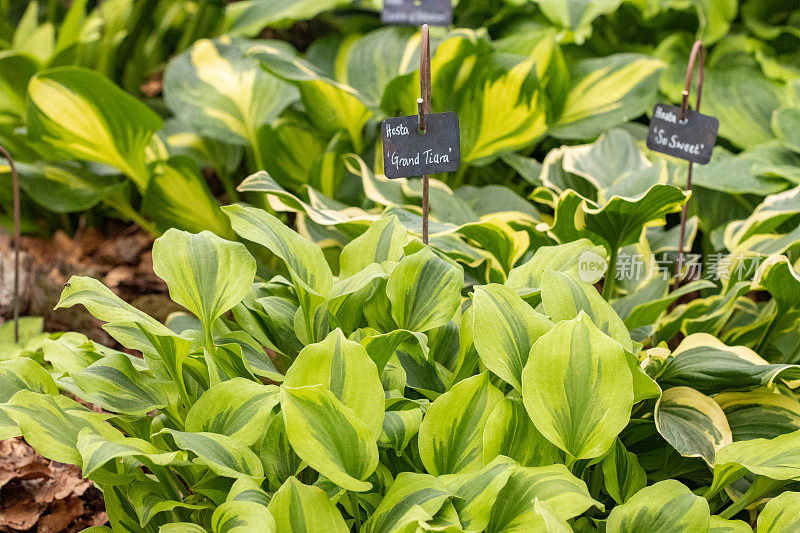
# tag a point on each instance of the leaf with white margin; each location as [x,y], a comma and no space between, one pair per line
[692,423]
[19,374]
[329,436]
[224,455]
[299,508]
[666,506]
[477,491]
[410,496]
[759,413]
[451,434]
[97,449]
[242,517]
[343,367]
[577,388]
[515,326]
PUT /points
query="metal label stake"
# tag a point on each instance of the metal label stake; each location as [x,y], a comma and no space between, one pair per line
[697,50]
[424,108]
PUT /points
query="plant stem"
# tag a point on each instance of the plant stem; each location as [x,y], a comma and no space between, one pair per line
[356,513]
[611,274]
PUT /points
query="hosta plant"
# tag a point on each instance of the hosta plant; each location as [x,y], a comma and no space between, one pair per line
[385,399]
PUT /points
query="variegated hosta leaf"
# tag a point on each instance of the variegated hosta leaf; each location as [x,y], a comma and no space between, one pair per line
[330,105]
[451,434]
[666,506]
[621,221]
[515,506]
[245,489]
[224,94]
[759,414]
[178,196]
[16,375]
[329,436]
[622,475]
[242,517]
[410,496]
[276,453]
[305,261]
[577,388]
[344,368]
[561,258]
[777,458]
[383,241]
[301,508]
[510,432]
[249,18]
[692,423]
[720,525]
[780,515]
[224,455]
[477,491]
[150,498]
[51,424]
[575,17]
[705,363]
[206,274]
[80,114]
[238,408]
[116,385]
[606,92]
[96,450]
[425,291]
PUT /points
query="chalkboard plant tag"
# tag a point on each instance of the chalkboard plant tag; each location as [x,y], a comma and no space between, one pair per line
[409,152]
[691,138]
[417,12]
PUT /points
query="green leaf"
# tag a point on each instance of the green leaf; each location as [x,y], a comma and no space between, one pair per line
[692,423]
[720,525]
[561,258]
[782,120]
[344,368]
[224,455]
[410,496]
[780,514]
[16,70]
[575,17]
[97,450]
[238,408]
[564,298]
[51,424]
[451,434]
[777,458]
[151,498]
[249,18]
[242,517]
[16,375]
[330,105]
[329,436]
[759,414]
[383,241]
[477,492]
[510,432]
[607,91]
[666,506]
[205,274]
[401,423]
[515,507]
[178,196]
[705,363]
[515,326]
[116,385]
[300,508]
[622,475]
[80,114]
[577,388]
[220,92]
[425,291]
[305,261]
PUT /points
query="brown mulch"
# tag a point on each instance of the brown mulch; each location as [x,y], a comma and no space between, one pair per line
[40,495]
[37,494]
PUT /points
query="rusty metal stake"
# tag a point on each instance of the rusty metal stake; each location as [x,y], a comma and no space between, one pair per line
[424,108]
[697,50]
[17,238]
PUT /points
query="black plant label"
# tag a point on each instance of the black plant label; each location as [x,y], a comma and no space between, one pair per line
[417,12]
[409,152]
[691,138]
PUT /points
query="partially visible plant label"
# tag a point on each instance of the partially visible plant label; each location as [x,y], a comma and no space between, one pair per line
[407,152]
[417,12]
[692,138]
